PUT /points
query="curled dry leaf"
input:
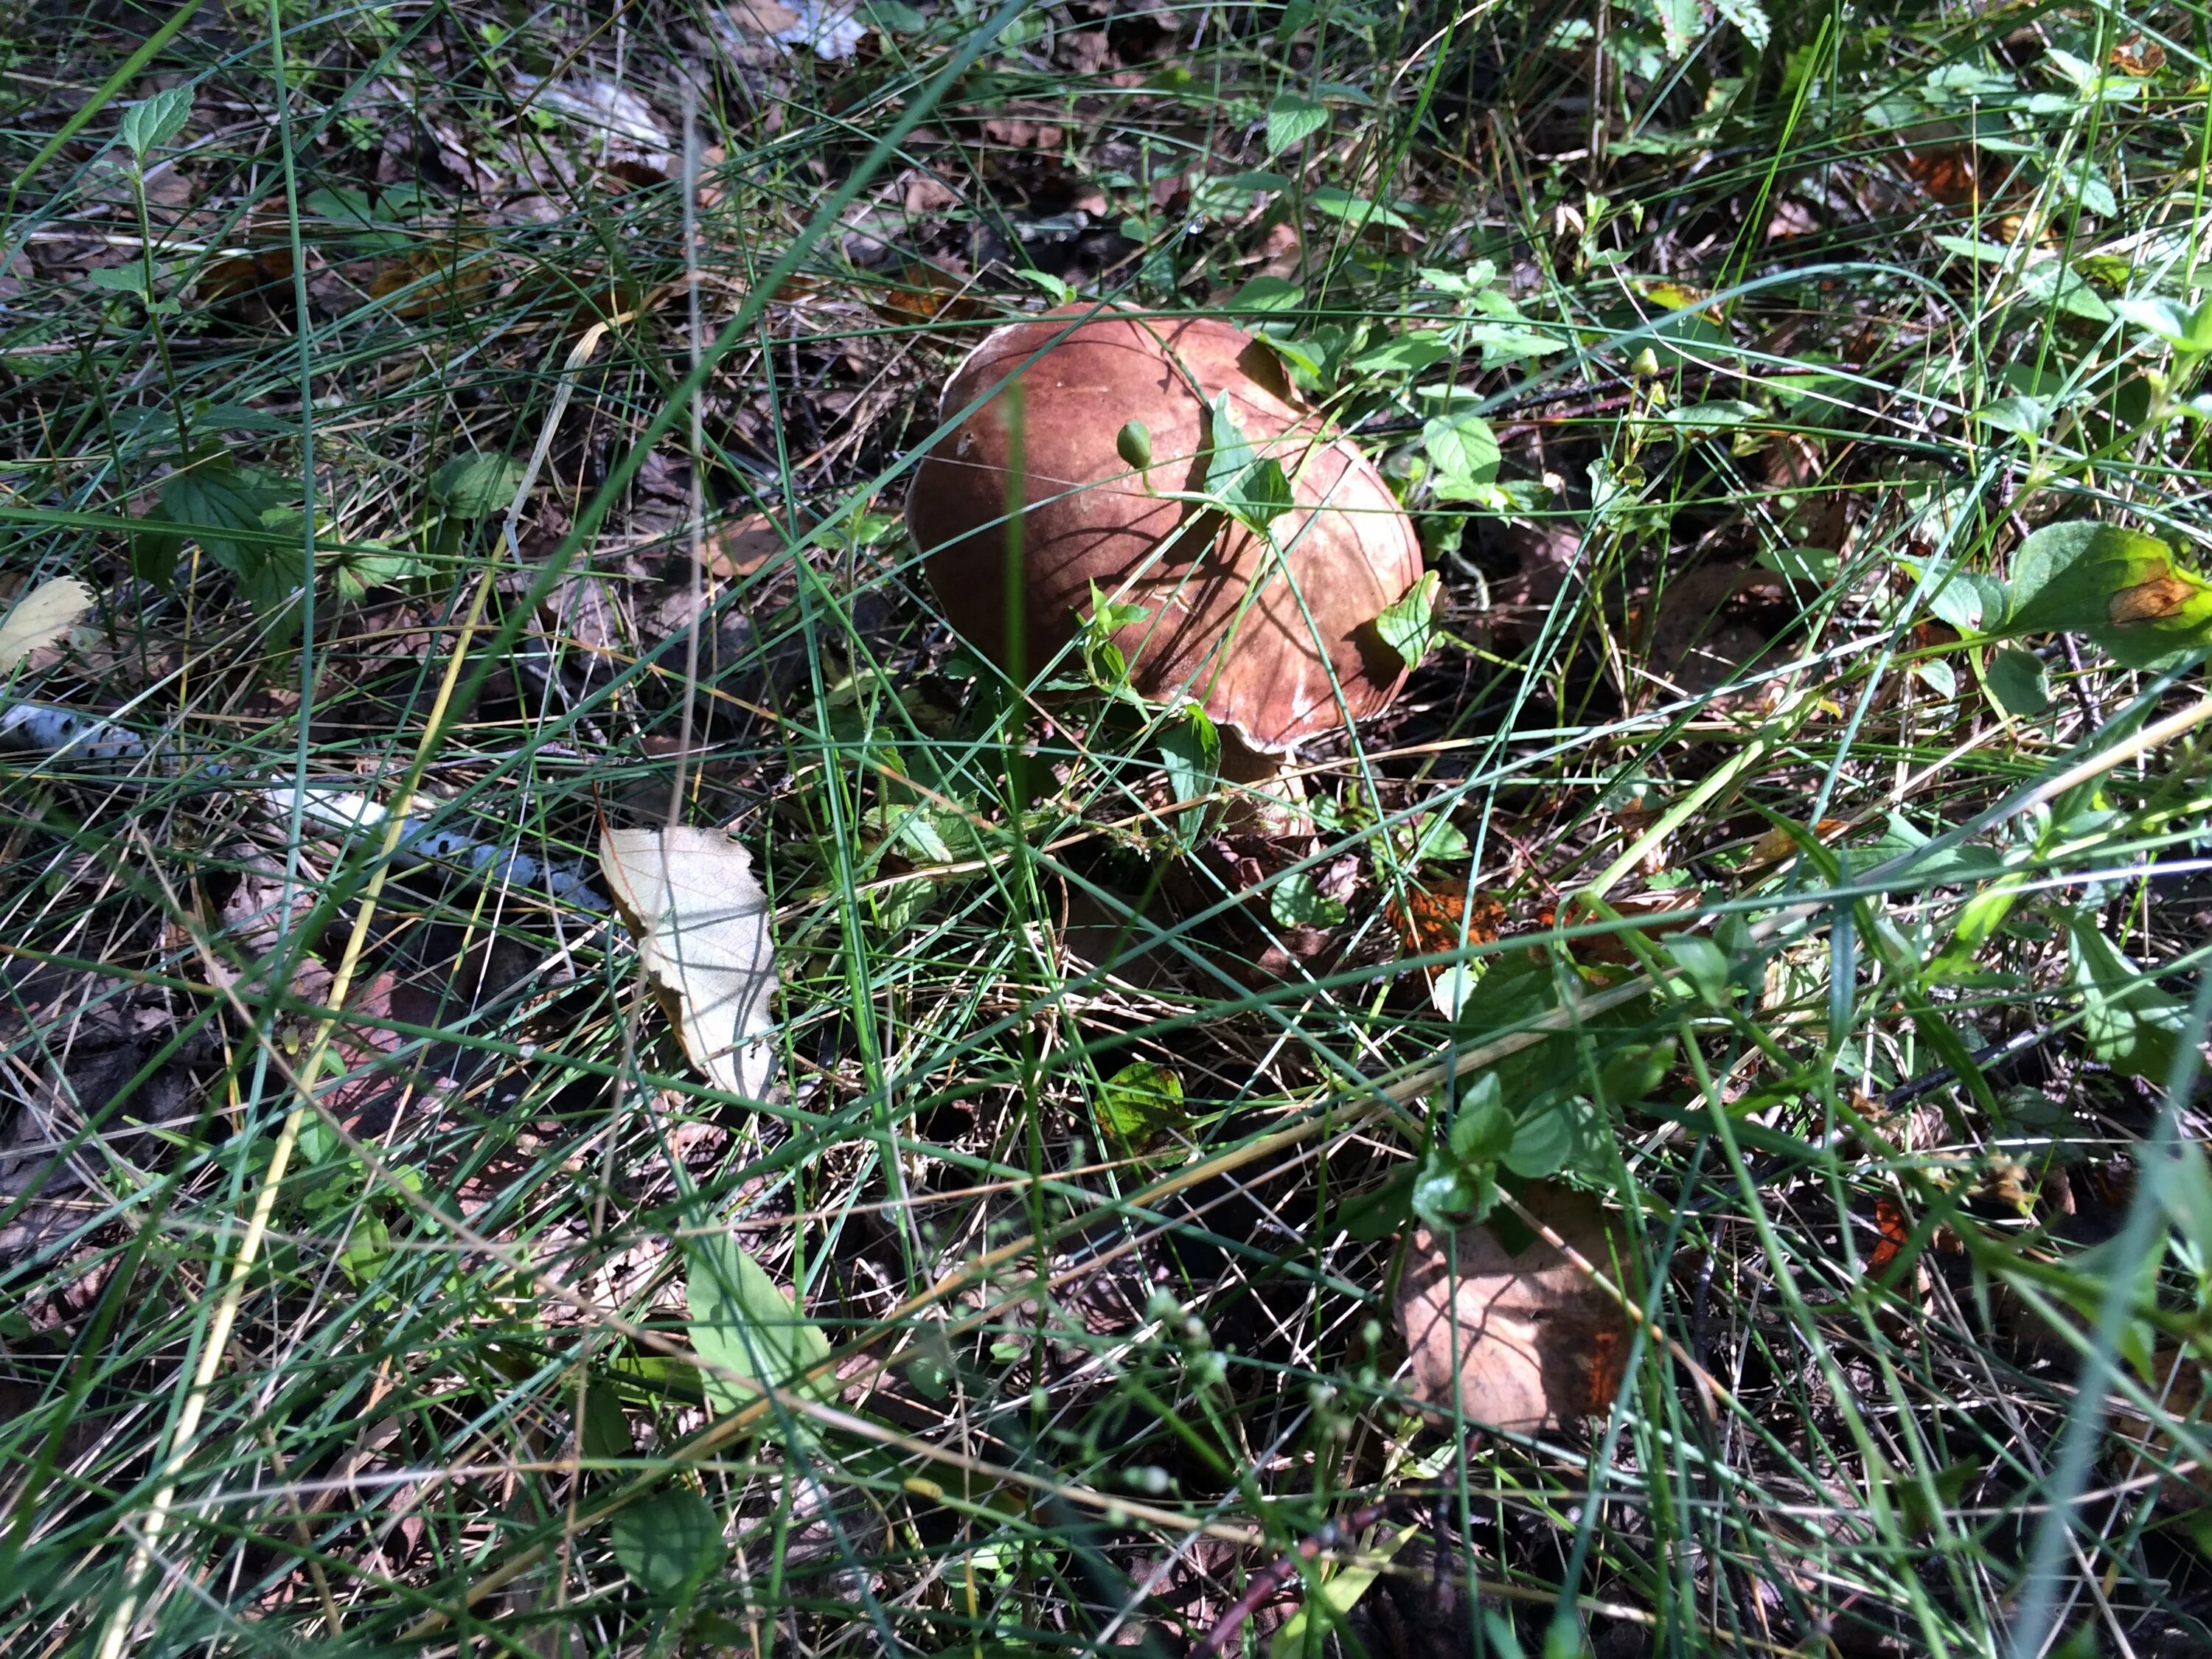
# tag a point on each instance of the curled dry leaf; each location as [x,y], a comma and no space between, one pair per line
[2136,56]
[1525,1338]
[1016,133]
[41,617]
[922,193]
[702,926]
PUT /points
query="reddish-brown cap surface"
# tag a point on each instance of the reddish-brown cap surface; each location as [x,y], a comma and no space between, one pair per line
[1265,644]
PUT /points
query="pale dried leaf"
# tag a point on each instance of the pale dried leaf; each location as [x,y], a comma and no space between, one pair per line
[1529,1342]
[702,926]
[626,122]
[41,617]
[763,16]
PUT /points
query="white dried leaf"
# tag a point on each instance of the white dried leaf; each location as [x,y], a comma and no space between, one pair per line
[633,131]
[41,617]
[325,808]
[702,926]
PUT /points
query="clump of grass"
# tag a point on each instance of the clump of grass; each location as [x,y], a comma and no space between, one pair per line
[1088,1155]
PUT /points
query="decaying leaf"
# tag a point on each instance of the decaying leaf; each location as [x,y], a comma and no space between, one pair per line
[2136,56]
[614,115]
[1697,643]
[1526,1341]
[41,617]
[702,926]
[1779,844]
[1808,511]
[763,16]
[925,293]
[1430,919]
[241,277]
[1140,1109]
[831,29]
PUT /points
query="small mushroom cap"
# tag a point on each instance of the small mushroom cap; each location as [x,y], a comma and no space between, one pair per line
[1253,638]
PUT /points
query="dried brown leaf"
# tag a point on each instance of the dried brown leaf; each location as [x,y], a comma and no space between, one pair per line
[743,545]
[1525,1341]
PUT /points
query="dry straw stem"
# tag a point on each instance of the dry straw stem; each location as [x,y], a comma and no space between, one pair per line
[184,1439]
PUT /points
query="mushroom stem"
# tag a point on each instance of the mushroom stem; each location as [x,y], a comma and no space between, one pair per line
[1266,797]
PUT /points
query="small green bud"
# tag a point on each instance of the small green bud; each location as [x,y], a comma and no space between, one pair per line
[1134,444]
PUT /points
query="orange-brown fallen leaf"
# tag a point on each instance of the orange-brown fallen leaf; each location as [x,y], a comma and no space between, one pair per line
[1892,1232]
[1523,1339]
[2137,56]
[1947,174]
[1667,911]
[925,293]
[1429,918]
[431,279]
[227,281]
[1775,845]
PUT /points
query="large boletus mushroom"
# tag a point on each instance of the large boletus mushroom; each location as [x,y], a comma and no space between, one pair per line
[1277,643]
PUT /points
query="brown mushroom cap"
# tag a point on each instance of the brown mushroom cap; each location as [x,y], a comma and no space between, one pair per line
[1224,626]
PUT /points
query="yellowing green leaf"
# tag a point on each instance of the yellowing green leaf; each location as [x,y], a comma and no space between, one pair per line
[2124,590]
[41,617]
[1141,1108]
